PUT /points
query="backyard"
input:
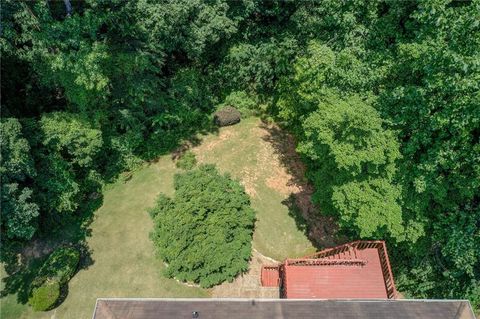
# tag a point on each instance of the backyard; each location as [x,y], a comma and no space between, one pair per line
[123,263]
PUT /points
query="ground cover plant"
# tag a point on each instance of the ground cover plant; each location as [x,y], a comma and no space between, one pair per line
[45,296]
[52,277]
[204,232]
[186,161]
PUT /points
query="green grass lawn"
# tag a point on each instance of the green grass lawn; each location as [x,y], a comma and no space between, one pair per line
[244,151]
[124,264]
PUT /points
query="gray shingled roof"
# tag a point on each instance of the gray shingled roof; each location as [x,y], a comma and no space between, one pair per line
[280,308]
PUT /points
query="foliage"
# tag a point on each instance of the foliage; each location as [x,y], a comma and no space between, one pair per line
[60,265]
[256,67]
[54,273]
[67,150]
[352,163]
[19,211]
[432,100]
[187,161]
[204,232]
[241,101]
[91,92]
[44,297]
[227,116]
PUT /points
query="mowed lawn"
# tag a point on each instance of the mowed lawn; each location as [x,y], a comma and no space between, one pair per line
[247,152]
[124,263]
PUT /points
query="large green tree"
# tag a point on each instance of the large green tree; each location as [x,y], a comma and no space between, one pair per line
[19,211]
[66,150]
[204,232]
[352,164]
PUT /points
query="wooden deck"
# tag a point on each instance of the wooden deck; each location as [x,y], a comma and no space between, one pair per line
[337,280]
[356,270]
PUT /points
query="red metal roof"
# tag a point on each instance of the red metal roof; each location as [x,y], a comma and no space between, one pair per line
[356,270]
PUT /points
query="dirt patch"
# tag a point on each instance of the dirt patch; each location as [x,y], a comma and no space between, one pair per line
[222,136]
[287,176]
[179,151]
[248,180]
[279,181]
[37,248]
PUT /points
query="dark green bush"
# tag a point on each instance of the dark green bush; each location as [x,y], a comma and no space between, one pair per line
[243,102]
[60,265]
[57,270]
[227,116]
[204,232]
[187,161]
[44,297]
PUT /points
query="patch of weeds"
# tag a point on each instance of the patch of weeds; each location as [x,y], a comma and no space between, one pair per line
[187,161]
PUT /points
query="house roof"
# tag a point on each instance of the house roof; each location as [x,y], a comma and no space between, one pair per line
[280,309]
[305,279]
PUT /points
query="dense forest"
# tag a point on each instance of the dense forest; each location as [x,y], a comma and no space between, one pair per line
[383,97]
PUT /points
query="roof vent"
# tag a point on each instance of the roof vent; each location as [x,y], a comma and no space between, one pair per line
[195,314]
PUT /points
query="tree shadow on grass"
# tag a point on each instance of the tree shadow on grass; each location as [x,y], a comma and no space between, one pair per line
[300,221]
[321,230]
[195,139]
[22,261]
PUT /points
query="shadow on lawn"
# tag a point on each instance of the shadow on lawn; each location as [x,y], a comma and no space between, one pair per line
[195,140]
[300,221]
[22,262]
[321,230]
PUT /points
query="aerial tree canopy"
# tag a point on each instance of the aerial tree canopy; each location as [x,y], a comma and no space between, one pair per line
[383,99]
[204,232]
[19,210]
[352,162]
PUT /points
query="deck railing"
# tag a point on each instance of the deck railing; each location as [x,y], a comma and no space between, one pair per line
[330,252]
[325,262]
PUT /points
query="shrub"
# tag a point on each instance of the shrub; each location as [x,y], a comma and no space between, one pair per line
[242,102]
[227,116]
[187,161]
[60,265]
[204,232]
[55,272]
[44,297]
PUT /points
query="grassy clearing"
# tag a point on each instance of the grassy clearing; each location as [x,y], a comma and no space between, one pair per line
[245,151]
[124,264]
